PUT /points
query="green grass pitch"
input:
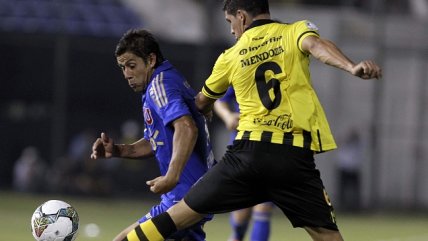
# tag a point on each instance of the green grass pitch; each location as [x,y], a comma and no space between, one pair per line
[112,215]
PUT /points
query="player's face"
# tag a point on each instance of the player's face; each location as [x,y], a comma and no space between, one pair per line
[136,71]
[237,22]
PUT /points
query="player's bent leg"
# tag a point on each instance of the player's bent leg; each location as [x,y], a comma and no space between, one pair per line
[239,220]
[323,234]
[123,234]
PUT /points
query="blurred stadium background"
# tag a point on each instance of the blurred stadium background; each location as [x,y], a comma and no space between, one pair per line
[60,87]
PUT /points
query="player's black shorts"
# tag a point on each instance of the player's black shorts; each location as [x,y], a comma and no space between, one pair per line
[253,172]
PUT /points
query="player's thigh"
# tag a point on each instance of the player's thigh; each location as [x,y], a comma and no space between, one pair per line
[301,194]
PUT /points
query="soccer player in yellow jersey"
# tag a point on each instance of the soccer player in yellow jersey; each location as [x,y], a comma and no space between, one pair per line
[282,125]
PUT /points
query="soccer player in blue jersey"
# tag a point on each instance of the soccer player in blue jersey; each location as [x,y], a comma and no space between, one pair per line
[228,110]
[175,132]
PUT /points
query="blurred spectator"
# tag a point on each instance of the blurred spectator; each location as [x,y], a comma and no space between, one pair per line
[76,173]
[29,171]
[132,170]
[130,131]
[419,8]
[349,168]
[80,145]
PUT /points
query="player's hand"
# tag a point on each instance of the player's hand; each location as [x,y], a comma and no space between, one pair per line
[367,69]
[161,184]
[102,147]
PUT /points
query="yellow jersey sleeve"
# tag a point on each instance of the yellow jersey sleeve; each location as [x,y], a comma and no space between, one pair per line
[218,82]
[303,29]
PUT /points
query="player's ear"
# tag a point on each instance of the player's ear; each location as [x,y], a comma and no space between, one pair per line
[152,60]
[240,15]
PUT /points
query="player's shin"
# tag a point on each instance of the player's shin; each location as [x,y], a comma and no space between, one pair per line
[239,228]
[261,226]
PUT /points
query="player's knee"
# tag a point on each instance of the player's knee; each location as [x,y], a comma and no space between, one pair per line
[183,216]
[263,207]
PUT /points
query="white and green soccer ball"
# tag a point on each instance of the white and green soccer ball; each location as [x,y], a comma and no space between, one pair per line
[55,220]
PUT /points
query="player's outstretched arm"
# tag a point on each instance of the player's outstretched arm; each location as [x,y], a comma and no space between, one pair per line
[328,53]
[104,147]
[139,149]
[184,140]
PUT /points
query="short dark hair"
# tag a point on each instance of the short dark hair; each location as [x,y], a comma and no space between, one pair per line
[253,7]
[141,43]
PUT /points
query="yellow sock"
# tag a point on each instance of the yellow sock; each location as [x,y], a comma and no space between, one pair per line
[146,231]
[155,229]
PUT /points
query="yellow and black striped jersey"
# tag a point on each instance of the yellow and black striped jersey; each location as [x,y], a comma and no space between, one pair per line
[270,74]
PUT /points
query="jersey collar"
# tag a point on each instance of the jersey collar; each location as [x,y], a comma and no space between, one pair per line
[165,65]
[259,22]
[162,67]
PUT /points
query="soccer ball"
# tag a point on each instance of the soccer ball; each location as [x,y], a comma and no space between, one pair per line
[55,220]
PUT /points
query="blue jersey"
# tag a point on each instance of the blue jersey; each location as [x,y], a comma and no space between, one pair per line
[230,98]
[167,98]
